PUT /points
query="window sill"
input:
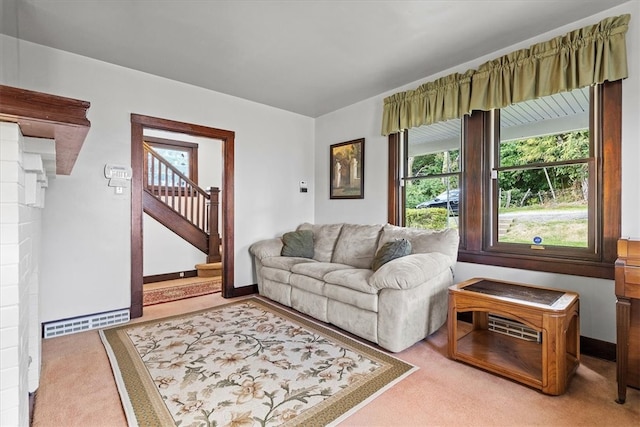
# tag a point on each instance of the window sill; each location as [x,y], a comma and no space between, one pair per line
[598,270]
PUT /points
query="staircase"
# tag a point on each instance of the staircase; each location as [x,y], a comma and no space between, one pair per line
[179,204]
[211,269]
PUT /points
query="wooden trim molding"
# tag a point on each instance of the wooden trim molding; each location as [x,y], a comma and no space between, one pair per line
[394,214]
[41,115]
[169,276]
[138,124]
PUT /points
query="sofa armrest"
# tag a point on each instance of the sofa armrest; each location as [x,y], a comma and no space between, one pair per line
[409,271]
[266,248]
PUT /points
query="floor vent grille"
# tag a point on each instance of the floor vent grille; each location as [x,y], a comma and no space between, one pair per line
[85,323]
[513,329]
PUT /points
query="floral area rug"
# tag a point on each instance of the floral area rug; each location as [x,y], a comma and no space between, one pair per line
[246,363]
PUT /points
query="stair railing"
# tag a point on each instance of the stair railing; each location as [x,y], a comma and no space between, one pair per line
[183,196]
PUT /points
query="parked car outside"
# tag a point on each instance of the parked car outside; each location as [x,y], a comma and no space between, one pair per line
[441,201]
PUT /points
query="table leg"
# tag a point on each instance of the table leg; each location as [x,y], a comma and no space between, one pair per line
[623,323]
[452,326]
[554,362]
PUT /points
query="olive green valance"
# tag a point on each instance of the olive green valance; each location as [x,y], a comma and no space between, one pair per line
[577,59]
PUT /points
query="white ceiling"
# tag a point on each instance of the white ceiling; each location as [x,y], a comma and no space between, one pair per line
[309,57]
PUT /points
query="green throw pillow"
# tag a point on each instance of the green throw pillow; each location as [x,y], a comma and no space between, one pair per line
[390,251]
[298,244]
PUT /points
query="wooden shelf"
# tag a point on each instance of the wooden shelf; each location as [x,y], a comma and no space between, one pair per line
[41,115]
[508,356]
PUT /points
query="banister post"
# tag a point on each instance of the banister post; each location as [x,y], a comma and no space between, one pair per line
[214,235]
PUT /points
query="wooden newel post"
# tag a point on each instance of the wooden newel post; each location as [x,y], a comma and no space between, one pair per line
[214,235]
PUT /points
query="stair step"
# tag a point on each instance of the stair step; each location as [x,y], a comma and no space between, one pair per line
[209,269]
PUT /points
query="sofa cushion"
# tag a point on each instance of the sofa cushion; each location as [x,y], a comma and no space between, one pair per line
[352,278]
[283,262]
[276,274]
[357,245]
[424,241]
[324,239]
[390,251]
[298,244]
[317,270]
[307,284]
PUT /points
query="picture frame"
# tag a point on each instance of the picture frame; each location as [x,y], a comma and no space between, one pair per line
[346,170]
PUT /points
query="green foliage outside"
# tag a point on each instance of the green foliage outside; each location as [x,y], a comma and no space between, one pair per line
[434,164]
[430,219]
[553,184]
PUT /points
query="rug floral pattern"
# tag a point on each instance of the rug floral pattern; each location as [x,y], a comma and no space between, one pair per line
[246,365]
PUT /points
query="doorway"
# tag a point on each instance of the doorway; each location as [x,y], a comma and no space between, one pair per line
[139,124]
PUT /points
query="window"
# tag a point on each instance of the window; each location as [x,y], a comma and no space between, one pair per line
[182,156]
[538,182]
[543,172]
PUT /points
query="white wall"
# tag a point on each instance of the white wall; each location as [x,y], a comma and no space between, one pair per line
[86,227]
[166,252]
[9,55]
[364,120]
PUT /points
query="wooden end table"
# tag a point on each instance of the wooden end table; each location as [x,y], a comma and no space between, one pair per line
[554,313]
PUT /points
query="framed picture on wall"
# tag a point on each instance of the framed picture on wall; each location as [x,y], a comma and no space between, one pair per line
[346,164]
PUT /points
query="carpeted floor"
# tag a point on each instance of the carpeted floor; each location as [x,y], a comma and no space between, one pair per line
[77,388]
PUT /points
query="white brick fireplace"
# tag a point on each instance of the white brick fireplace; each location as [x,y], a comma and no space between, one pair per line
[24,165]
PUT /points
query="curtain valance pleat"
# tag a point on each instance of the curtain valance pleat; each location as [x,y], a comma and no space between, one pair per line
[442,99]
[580,58]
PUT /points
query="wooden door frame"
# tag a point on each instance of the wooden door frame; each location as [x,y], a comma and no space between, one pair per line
[138,124]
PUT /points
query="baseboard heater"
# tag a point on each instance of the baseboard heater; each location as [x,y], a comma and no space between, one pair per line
[513,329]
[84,323]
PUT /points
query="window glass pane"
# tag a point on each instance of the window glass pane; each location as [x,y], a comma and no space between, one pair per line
[551,216]
[433,175]
[434,149]
[546,129]
[437,211]
[179,159]
[543,171]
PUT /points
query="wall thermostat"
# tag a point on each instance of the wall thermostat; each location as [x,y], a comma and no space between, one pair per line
[118,176]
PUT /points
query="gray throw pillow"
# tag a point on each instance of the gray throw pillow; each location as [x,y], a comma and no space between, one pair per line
[298,244]
[390,251]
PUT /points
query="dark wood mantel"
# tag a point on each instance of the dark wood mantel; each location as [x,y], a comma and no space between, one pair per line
[42,115]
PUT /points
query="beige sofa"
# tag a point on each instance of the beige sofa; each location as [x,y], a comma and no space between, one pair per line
[400,303]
